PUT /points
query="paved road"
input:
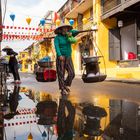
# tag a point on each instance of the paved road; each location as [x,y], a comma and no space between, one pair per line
[82,91]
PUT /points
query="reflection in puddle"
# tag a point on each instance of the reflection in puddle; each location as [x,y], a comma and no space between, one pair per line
[27,114]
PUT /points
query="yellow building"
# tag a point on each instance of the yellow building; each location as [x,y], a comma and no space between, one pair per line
[23,56]
[34,53]
[117,36]
[39,49]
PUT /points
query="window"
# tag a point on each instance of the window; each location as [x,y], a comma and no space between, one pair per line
[109,4]
[80,22]
[123,42]
[26,66]
[114,44]
[91,13]
[128,40]
[23,55]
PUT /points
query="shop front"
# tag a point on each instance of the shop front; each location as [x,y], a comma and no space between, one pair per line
[121,26]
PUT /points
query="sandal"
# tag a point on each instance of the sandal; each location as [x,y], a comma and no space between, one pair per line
[67,89]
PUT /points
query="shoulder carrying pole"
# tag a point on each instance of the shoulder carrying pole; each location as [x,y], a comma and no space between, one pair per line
[90,30]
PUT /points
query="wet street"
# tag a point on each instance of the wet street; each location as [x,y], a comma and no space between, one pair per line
[103,111]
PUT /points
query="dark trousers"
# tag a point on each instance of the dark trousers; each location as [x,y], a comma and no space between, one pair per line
[62,67]
[14,71]
[13,99]
[65,122]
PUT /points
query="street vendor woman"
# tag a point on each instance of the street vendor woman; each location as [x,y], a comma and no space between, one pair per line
[63,41]
[13,64]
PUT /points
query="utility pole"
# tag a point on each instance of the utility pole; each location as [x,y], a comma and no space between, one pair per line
[0,25]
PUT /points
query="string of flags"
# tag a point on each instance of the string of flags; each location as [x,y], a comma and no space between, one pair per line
[11,33]
[17,33]
[24,116]
[25,28]
[20,123]
[24,111]
[7,37]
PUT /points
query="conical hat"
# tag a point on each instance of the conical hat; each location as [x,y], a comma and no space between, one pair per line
[6,48]
[65,25]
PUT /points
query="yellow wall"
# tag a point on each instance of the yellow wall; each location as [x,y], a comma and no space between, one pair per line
[102,35]
[102,40]
[23,59]
[86,14]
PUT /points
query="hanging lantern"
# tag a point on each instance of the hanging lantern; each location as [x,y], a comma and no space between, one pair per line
[84,20]
[12,16]
[71,21]
[57,22]
[44,135]
[30,137]
[42,21]
[28,20]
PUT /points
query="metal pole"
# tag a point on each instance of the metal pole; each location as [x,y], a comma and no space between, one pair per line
[0,25]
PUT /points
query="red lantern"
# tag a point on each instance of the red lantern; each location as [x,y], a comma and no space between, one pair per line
[18,27]
[15,27]
[7,27]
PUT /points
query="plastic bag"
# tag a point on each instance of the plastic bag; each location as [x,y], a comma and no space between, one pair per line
[72,40]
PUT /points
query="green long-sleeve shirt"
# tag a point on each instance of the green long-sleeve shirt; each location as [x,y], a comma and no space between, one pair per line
[62,45]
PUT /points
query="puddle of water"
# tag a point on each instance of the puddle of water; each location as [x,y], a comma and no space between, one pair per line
[27,114]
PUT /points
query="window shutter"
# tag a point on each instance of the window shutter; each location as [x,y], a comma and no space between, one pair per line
[114,45]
